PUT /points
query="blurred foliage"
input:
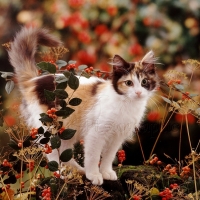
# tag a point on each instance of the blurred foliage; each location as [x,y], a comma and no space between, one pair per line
[96,30]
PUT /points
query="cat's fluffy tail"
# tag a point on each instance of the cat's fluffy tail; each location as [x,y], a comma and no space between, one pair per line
[23,49]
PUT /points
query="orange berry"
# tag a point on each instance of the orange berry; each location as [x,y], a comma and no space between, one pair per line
[20,145]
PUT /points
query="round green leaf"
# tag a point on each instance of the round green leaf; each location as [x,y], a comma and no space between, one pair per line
[61,94]
[66,155]
[61,63]
[55,142]
[44,140]
[61,85]
[40,130]
[51,68]
[47,134]
[75,102]
[9,86]
[73,82]
[67,134]
[49,95]
[82,67]
[43,163]
[53,166]
[13,145]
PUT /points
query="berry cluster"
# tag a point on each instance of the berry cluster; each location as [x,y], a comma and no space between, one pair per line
[171,170]
[185,171]
[121,156]
[19,175]
[171,82]
[51,113]
[61,130]
[174,186]
[136,197]
[30,165]
[155,160]
[6,163]
[185,96]
[56,174]
[71,66]
[47,149]
[89,70]
[166,194]
[81,142]
[46,194]
[34,132]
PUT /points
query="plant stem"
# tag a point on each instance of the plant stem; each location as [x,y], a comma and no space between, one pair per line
[179,150]
[194,173]
[162,128]
[5,188]
[61,190]
[136,130]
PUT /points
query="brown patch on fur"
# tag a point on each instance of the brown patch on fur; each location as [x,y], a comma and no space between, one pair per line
[44,83]
[118,72]
[95,87]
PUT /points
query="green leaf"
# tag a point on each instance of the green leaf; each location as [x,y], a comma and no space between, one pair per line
[166,100]
[73,82]
[61,94]
[66,155]
[75,102]
[179,86]
[55,142]
[9,86]
[61,85]
[6,74]
[47,134]
[67,74]
[82,67]
[63,103]
[40,130]
[49,95]
[13,145]
[193,95]
[61,63]
[43,163]
[65,113]
[86,75]
[71,62]
[53,166]
[45,118]
[67,134]
[60,79]
[44,140]
[46,66]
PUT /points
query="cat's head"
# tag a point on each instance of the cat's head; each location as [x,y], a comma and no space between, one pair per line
[135,80]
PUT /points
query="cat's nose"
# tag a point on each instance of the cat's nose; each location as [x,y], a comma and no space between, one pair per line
[138,93]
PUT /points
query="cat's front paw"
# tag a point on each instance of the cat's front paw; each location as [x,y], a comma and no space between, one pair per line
[95,178]
[109,175]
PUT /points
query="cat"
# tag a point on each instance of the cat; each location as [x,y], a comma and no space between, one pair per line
[110,109]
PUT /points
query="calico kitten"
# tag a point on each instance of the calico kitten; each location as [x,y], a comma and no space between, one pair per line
[110,109]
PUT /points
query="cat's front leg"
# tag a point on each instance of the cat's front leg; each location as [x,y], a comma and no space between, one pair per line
[108,155]
[93,148]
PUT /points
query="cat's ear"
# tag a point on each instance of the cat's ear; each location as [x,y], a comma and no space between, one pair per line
[119,64]
[148,61]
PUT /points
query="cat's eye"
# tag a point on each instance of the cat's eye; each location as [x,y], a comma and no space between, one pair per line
[129,83]
[144,81]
